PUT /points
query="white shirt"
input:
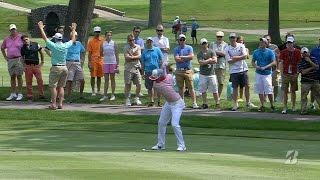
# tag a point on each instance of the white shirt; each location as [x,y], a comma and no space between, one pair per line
[239,50]
[109,56]
[162,42]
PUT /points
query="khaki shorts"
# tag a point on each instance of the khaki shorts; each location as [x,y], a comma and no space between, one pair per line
[290,80]
[75,72]
[220,73]
[15,66]
[184,77]
[134,77]
[58,76]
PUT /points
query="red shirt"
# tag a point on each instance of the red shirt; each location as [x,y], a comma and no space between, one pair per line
[290,60]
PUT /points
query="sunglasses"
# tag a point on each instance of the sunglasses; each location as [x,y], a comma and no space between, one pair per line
[182,39]
[160,30]
[219,36]
[137,31]
[232,37]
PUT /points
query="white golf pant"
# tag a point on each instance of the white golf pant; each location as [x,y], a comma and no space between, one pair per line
[171,111]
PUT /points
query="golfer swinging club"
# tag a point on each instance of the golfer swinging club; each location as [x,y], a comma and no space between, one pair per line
[172,109]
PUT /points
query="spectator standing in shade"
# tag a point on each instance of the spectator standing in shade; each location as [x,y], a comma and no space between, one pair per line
[74,59]
[194,27]
[30,56]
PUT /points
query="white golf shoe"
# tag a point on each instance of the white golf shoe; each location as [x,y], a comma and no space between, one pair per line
[181,148]
[19,97]
[11,97]
[156,147]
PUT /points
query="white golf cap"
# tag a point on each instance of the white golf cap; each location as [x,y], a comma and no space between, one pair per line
[156,73]
[290,39]
[58,36]
[149,38]
[177,17]
[182,36]
[203,40]
[97,29]
[264,40]
[304,50]
[232,34]
[219,33]
[12,26]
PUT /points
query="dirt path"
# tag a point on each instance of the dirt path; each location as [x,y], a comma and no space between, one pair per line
[142,110]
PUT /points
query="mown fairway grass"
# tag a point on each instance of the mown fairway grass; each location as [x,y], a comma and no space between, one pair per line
[245,14]
[41,144]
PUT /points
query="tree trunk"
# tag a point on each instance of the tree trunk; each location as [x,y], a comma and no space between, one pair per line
[274,29]
[80,12]
[155,13]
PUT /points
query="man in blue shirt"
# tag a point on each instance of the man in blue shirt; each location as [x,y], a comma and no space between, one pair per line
[137,40]
[263,59]
[183,54]
[151,59]
[75,60]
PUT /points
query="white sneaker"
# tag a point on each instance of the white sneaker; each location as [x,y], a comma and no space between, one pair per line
[93,94]
[104,98]
[128,102]
[19,98]
[235,106]
[137,101]
[112,98]
[181,148]
[284,111]
[251,105]
[11,97]
[195,106]
[156,147]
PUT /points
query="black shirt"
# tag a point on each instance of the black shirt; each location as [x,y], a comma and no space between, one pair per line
[30,53]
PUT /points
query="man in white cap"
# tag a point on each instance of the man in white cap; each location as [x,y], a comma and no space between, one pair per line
[11,51]
[95,61]
[207,58]
[176,27]
[289,60]
[171,110]
[162,42]
[263,59]
[236,55]
[220,68]
[308,67]
[183,54]
[151,58]
[58,71]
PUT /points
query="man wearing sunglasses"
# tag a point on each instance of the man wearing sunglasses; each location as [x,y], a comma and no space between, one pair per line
[236,54]
[162,42]
[220,68]
[183,54]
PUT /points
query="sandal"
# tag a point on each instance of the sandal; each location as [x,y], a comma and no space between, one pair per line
[51,107]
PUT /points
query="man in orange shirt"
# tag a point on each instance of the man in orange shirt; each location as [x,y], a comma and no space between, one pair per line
[95,61]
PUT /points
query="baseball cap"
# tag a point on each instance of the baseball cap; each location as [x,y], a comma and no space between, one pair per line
[264,40]
[203,40]
[149,38]
[156,73]
[177,17]
[232,34]
[97,29]
[58,36]
[182,36]
[12,26]
[219,33]
[304,50]
[290,39]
